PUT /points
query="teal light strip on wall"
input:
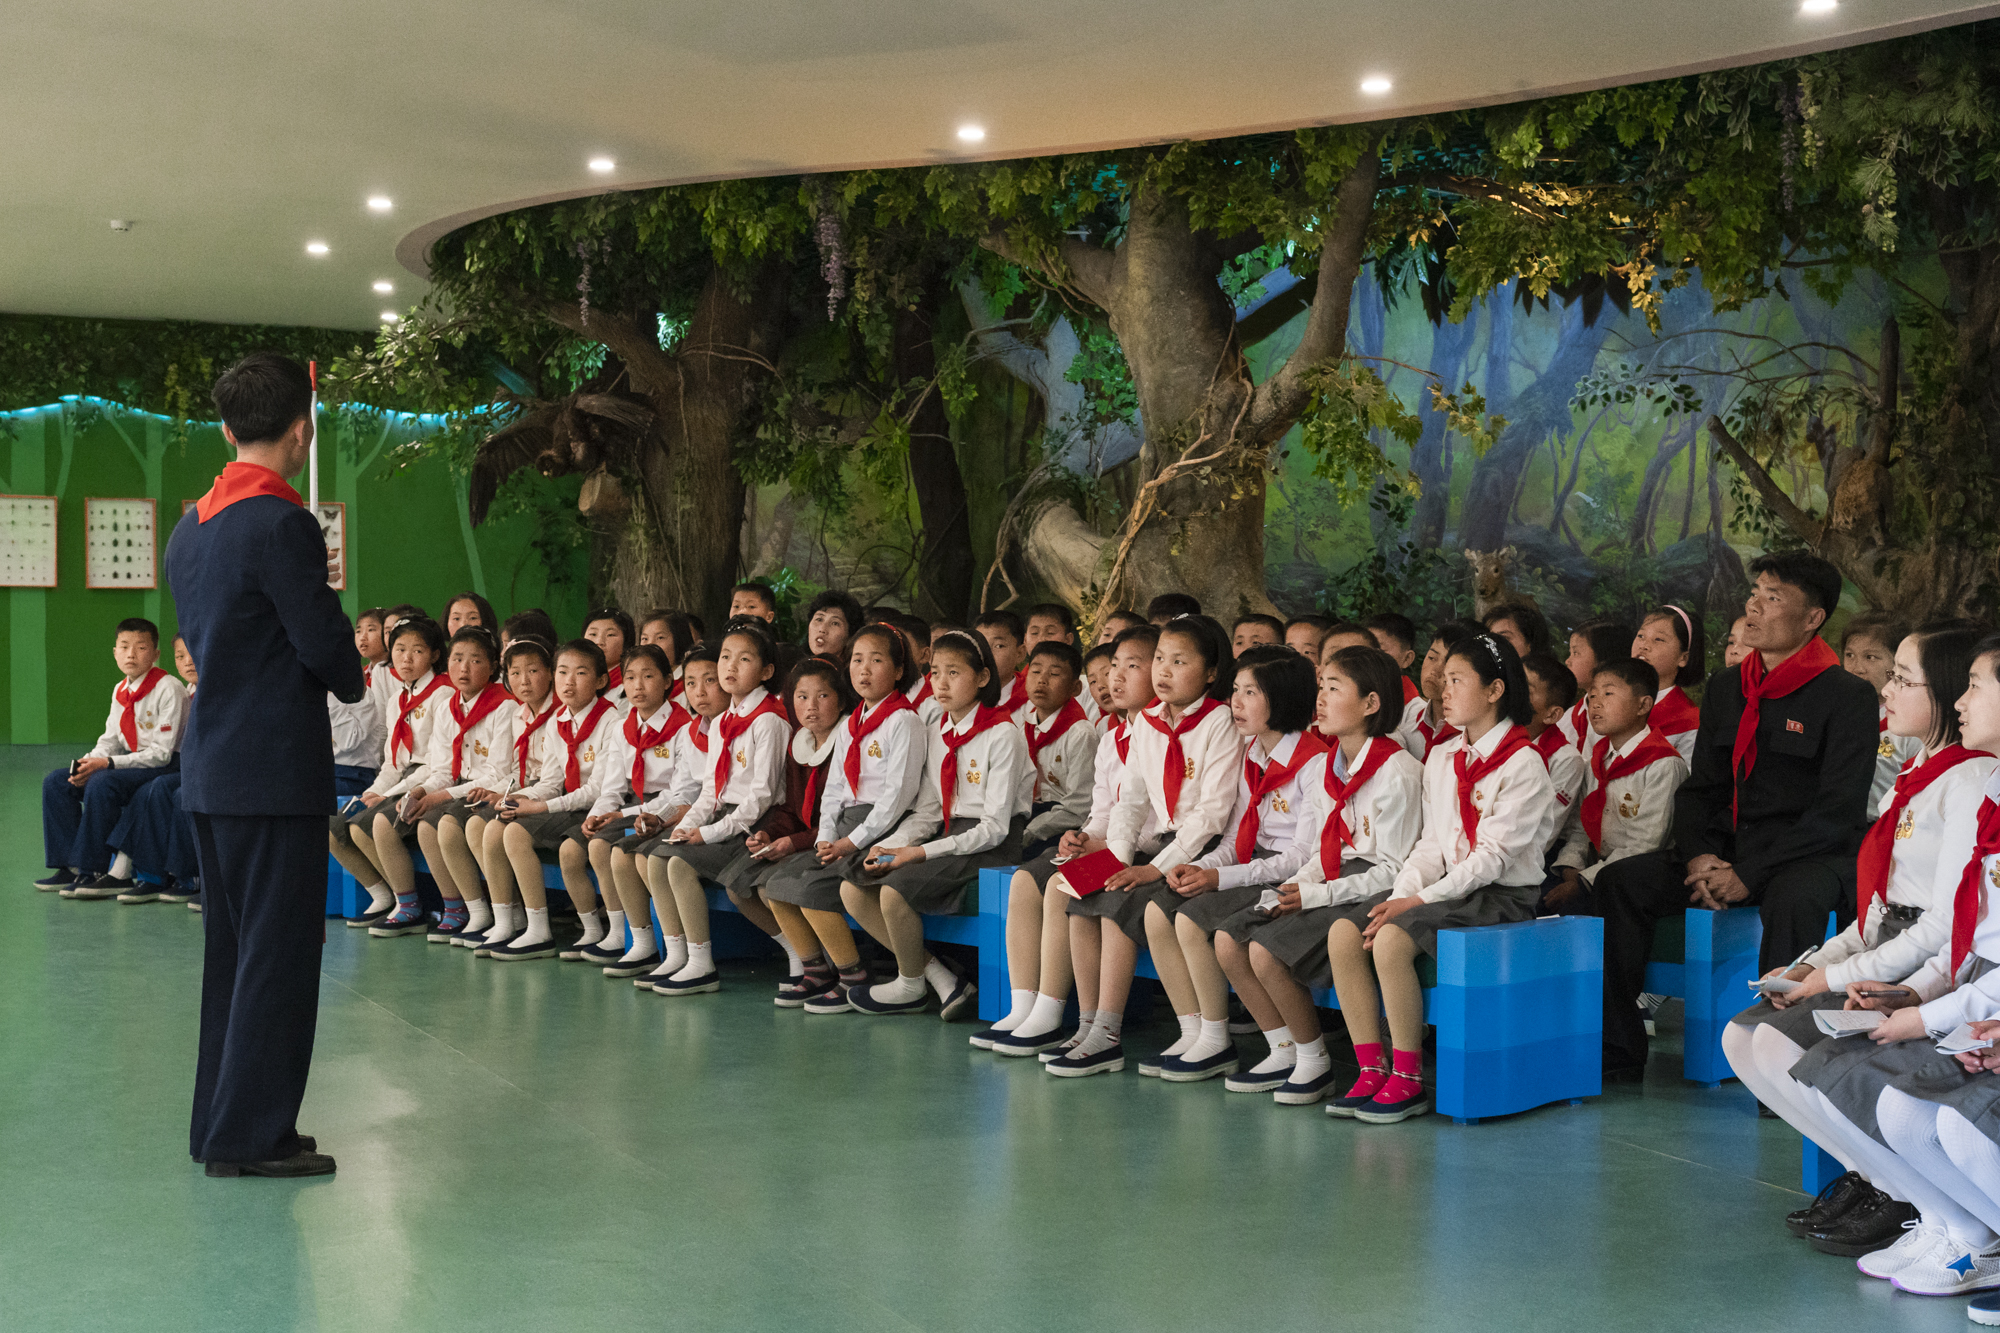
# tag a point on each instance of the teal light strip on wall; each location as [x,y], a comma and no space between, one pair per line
[28,608]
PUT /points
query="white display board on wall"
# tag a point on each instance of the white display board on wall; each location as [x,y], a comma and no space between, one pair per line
[120,544]
[27,541]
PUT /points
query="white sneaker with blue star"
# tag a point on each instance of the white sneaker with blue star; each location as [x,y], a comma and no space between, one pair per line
[1950,1270]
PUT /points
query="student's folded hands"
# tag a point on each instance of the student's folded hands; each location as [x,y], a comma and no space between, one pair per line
[1189,880]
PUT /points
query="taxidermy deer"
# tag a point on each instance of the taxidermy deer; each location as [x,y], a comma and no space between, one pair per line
[1490,586]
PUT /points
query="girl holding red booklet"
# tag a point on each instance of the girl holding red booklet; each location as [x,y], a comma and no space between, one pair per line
[1489,811]
[971,812]
[1038,958]
[1182,770]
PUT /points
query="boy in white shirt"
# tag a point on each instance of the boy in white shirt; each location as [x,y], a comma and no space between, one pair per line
[81,804]
[1628,793]
[1062,745]
[1552,689]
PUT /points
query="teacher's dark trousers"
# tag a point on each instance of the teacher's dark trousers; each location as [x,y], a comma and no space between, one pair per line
[263,880]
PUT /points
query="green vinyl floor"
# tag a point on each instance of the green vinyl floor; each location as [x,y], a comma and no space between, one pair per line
[531,1146]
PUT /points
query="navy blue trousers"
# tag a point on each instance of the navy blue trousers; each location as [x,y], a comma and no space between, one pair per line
[77,824]
[156,832]
[263,880]
[349,782]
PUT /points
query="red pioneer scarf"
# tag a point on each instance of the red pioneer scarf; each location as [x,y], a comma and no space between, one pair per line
[1471,773]
[983,719]
[1335,834]
[1041,737]
[1878,847]
[404,736]
[528,734]
[671,717]
[241,481]
[1018,695]
[1653,748]
[1794,673]
[1969,903]
[1673,712]
[573,736]
[484,704]
[860,728]
[1262,781]
[1173,771]
[128,704]
[733,724]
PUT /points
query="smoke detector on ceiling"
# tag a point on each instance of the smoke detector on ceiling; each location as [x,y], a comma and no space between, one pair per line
[120,224]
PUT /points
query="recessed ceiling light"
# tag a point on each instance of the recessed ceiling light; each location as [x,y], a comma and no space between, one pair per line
[1375,84]
[385,287]
[315,247]
[1819,6]
[602,164]
[971,133]
[390,317]
[381,203]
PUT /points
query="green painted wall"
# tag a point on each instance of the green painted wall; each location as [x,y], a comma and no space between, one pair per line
[408,534]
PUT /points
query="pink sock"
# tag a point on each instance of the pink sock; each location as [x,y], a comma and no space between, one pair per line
[1407,1081]
[1369,1056]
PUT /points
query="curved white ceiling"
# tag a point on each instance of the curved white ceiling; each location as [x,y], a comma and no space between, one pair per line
[230,133]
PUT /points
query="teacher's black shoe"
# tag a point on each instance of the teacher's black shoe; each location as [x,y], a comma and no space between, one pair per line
[291,1168]
[307,1143]
[1864,1229]
[101,887]
[1843,1192]
[62,878]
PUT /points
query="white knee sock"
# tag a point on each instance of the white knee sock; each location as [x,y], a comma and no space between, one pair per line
[701,961]
[614,930]
[1190,1030]
[537,929]
[1312,1062]
[1213,1040]
[121,866]
[478,915]
[795,966]
[1284,1052]
[642,945]
[1911,1127]
[1043,1017]
[943,980]
[1890,1172]
[1023,1001]
[593,927]
[379,897]
[1977,1159]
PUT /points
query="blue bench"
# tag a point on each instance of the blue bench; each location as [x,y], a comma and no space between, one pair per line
[1717,961]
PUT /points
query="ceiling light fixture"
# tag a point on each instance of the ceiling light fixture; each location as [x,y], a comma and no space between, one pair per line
[1819,6]
[315,247]
[971,133]
[390,317]
[385,287]
[602,164]
[1375,84]
[381,203]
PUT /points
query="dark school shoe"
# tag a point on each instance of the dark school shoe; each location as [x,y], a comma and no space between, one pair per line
[513,951]
[704,984]
[440,933]
[1984,1310]
[1250,1080]
[100,887]
[485,950]
[1110,1060]
[1378,1112]
[370,918]
[173,891]
[141,892]
[1344,1107]
[795,991]
[1068,1044]
[1009,1044]
[1176,1069]
[1865,1228]
[1306,1093]
[299,1165]
[392,927]
[61,878]
[959,1002]
[863,1002]
[604,953]
[635,967]
[1844,1192]
[307,1143]
[834,1000]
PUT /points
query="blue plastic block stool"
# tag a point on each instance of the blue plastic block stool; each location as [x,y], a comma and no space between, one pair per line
[1721,961]
[986,932]
[1817,1167]
[1519,1011]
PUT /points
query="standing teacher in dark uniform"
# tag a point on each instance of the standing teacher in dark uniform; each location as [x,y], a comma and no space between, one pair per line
[248,573]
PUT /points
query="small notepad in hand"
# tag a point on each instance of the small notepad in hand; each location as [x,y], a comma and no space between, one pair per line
[1960,1040]
[1778,985]
[1848,1022]
[1085,875]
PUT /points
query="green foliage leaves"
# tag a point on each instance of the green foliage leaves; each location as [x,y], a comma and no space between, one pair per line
[1351,401]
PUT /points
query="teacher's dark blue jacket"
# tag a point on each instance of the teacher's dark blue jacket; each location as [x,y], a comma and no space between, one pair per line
[270,641]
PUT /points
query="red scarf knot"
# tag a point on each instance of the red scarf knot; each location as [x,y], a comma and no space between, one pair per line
[403,736]
[860,728]
[1969,903]
[671,717]
[1794,673]
[1262,780]
[1042,735]
[527,735]
[1878,846]
[487,702]
[1471,772]
[573,736]
[1335,833]
[733,724]
[128,704]
[1174,770]
[983,720]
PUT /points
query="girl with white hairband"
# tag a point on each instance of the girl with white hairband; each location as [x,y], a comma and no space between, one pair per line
[1670,640]
[1489,812]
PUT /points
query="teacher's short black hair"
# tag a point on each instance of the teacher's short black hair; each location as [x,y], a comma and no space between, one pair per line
[260,397]
[1811,575]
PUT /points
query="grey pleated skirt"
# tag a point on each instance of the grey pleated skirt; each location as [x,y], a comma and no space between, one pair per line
[1126,908]
[455,809]
[937,885]
[552,828]
[802,881]
[1210,910]
[1796,1021]
[1298,939]
[1853,1071]
[1494,905]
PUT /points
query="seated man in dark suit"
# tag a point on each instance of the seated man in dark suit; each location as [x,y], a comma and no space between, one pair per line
[1773,810]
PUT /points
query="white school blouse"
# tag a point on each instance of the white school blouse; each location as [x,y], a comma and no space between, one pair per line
[1892,752]
[756,773]
[892,773]
[1410,731]
[1638,812]
[662,767]
[1934,838]
[423,720]
[1946,1002]
[929,710]
[1517,817]
[485,760]
[1107,780]
[1568,771]
[1280,814]
[538,742]
[691,762]
[1385,817]
[358,731]
[591,752]
[382,690]
[994,784]
[1064,773]
[1213,753]
[157,720]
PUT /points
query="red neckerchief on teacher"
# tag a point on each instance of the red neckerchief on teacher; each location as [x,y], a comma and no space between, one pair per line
[1335,833]
[1794,673]
[240,481]
[1470,774]
[487,702]
[1262,781]
[1878,847]
[128,704]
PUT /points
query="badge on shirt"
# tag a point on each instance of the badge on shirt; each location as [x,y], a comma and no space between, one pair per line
[739,756]
[1189,775]
[972,775]
[1906,826]
[1366,832]
[590,754]
[479,748]
[1628,805]
[1886,750]
[660,752]
[874,749]
[1279,805]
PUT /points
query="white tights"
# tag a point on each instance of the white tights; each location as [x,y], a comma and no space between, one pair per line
[1762,1057]
[1914,1128]
[1904,1175]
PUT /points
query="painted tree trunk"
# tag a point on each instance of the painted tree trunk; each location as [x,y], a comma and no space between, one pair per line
[945,565]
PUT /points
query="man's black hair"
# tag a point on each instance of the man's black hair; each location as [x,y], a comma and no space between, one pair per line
[261,396]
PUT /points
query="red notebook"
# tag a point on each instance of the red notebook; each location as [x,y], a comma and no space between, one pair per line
[1086,874]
